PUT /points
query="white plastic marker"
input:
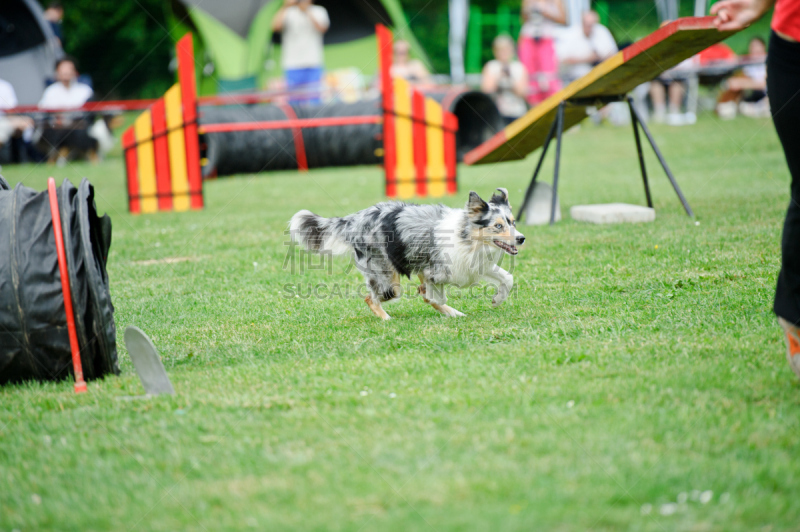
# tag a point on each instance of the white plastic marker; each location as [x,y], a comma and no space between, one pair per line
[147,362]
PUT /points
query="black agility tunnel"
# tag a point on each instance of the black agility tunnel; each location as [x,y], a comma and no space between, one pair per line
[34,342]
[349,145]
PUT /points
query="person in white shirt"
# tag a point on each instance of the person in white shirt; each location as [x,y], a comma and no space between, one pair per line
[506,79]
[302,25]
[10,125]
[8,97]
[67,92]
[579,50]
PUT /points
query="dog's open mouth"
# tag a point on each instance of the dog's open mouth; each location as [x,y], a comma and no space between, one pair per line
[508,248]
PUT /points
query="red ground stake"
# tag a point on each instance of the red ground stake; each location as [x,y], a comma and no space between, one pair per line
[80,384]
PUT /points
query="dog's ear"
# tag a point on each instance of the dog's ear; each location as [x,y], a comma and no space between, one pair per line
[476,206]
[501,198]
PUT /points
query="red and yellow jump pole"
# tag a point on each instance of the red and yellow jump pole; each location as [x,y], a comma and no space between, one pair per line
[162,150]
[419,149]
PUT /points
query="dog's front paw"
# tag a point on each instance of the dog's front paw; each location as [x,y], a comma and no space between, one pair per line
[453,313]
[500,296]
[448,311]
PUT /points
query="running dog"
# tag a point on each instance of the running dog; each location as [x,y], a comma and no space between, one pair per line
[438,244]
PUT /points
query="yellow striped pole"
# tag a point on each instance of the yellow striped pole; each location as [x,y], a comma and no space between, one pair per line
[147,162]
[406,187]
[435,140]
[177,149]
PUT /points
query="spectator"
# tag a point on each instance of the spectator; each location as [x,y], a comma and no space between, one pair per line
[8,97]
[412,70]
[302,25]
[11,126]
[581,49]
[506,80]
[67,92]
[54,14]
[537,52]
[747,91]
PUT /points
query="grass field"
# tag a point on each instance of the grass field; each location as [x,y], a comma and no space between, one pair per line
[635,380]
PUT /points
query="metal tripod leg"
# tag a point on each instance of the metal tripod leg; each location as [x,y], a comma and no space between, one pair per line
[635,123]
[529,192]
[652,142]
[559,131]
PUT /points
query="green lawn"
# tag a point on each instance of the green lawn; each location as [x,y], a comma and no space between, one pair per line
[636,379]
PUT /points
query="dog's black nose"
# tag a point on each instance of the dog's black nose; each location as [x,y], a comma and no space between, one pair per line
[520,240]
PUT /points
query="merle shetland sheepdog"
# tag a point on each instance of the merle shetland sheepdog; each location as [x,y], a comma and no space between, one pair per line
[438,244]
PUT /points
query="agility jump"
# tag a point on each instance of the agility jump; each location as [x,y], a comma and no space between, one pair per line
[609,81]
[163,157]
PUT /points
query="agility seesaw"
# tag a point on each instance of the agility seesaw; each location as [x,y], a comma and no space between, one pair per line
[163,147]
[610,81]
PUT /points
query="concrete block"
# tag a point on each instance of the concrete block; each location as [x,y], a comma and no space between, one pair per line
[612,213]
[538,210]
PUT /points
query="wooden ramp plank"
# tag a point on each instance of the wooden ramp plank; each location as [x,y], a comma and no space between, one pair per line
[617,75]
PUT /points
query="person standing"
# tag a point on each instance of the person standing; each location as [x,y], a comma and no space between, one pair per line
[783,91]
[537,51]
[302,25]
[54,15]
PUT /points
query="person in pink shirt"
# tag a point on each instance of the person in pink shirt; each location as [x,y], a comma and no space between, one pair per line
[537,51]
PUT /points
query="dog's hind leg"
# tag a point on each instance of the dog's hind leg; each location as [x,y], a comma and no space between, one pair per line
[376,307]
[383,286]
[437,298]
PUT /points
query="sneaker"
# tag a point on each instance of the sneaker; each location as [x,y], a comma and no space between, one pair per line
[675,119]
[792,333]
[726,110]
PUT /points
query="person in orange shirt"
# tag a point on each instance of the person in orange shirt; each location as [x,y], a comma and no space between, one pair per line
[783,91]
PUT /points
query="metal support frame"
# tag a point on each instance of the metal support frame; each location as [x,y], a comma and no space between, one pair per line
[636,119]
[557,129]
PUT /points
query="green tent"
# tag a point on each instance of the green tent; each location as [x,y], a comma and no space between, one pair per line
[236,36]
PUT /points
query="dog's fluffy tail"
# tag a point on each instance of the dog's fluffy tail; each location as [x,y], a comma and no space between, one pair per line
[319,234]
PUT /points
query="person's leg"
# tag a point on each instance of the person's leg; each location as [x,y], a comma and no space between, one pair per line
[294,82]
[783,82]
[676,92]
[658,96]
[783,88]
[314,85]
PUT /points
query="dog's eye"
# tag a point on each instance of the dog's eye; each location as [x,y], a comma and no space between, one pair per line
[498,226]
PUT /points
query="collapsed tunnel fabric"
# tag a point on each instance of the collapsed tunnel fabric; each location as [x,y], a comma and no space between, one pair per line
[34,341]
